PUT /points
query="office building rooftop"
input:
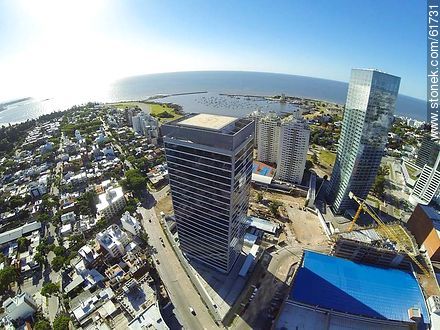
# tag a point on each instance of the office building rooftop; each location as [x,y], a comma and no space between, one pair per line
[208,121]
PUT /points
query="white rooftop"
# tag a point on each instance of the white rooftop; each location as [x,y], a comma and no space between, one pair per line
[149,319]
[208,121]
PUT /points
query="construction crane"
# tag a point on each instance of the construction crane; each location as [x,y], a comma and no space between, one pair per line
[387,230]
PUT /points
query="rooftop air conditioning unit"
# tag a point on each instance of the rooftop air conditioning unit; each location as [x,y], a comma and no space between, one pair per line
[414,314]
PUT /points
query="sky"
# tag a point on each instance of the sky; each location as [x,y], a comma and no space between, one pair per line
[55,47]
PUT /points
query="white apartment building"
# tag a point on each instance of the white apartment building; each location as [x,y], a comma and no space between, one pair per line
[283,141]
[293,146]
[19,307]
[268,138]
[113,240]
[427,185]
[130,224]
[145,124]
[110,203]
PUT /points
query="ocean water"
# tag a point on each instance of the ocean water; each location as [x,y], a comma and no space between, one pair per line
[213,82]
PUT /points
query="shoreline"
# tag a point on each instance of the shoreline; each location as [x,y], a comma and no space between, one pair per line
[161,99]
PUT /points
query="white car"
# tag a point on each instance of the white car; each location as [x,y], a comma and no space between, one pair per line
[193,312]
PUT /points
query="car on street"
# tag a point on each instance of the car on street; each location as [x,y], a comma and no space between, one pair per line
[193,312]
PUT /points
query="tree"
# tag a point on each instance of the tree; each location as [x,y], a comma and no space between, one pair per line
[8,275]
[49,289]
[86,203]
[134,180]
[61,322]
[16,201]
[315,159]
[273,207]
[23,244]
[259,197]
[379,186]
[58,263]
[42,325]
[43,218]
[59,250]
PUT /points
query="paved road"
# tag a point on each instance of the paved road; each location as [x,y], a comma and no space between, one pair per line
[182,293]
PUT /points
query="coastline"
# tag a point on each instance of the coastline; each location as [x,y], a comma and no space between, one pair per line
[161,99]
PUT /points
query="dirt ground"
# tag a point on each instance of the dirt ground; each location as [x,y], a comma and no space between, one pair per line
[306,227]
[164,205]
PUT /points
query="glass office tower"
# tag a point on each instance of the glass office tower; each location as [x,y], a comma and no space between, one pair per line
[368,115]
[209,161]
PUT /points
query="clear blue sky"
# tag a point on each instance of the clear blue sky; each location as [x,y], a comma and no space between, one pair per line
[45,45]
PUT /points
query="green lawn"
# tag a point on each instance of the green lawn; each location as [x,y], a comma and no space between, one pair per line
[156,109]
[411,171]
[327,157]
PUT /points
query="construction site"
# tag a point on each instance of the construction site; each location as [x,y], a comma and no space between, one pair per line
[363,239]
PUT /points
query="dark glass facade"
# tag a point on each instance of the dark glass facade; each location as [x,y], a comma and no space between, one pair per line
[210,189]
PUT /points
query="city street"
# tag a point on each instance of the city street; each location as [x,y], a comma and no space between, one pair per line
[182,293]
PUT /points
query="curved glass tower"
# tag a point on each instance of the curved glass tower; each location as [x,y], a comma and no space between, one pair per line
[368,115]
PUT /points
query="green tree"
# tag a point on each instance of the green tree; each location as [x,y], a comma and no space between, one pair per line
[134,180]
[315,159]
[49,289]
[61,322]
[59,250]
[8,275]
[40,258]
[43,218]
[273,207]
[23,244]
[58,263]
[42,325]
[259,197]
[16,201]
[379,186]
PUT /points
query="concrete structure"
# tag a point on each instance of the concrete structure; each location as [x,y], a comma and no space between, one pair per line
[334,293]
[111,202]
[262,173]
[90,257]
[130,224]
[366,246]
[113,240]
[20,307]
[210,166]
[427,185]
[292,152]
[68,217]
[368,115]
[424,224]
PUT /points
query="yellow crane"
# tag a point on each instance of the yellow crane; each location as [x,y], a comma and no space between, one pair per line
[387,230]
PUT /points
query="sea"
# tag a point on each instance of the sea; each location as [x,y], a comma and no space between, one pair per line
[212,85]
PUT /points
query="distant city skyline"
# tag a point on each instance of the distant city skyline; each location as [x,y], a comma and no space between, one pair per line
[50,48]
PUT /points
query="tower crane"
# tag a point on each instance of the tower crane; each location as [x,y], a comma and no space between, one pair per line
[387,230]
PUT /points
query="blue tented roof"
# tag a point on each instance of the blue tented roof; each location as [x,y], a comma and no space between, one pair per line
[347,286]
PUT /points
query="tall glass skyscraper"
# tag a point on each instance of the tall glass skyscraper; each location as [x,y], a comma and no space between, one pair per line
[209,161]
[368,115]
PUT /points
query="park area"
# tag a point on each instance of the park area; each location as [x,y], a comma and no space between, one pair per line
[163,112]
